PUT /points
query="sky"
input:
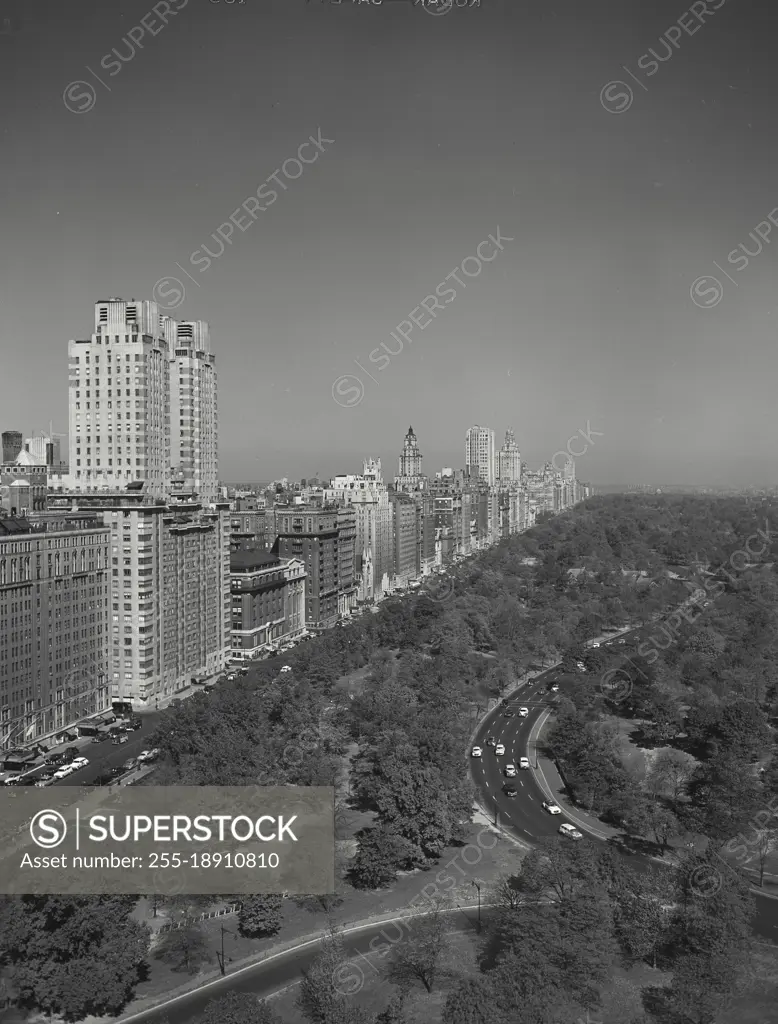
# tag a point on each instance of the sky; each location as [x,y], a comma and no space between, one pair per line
[600,316]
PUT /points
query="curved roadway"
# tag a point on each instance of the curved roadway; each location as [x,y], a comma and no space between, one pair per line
[523,816]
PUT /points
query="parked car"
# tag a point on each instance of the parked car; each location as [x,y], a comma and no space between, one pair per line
[130,764]
[135,724]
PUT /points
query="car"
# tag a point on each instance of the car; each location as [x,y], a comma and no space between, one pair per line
[510,770]
[551,808]
[54,759]
[62,773]
[11,780]
[507,714]
[595,645]
[580,666]
[499,750]
[621,641]
[476,752]
[44,780]
[491,742]
[510,790]
[523,712]
[135,724]
[554,687]
[570,831]
[286,668]
[101,737]
[523,762]
[116,772]
[82,761]
[25,780]
[130,763]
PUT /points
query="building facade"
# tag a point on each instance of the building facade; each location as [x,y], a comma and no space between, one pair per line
[120,400]
[369,497]
[509,461]
[479,454]
[268,601]
[23,485]
[54,626]
[193,410]
[322,538]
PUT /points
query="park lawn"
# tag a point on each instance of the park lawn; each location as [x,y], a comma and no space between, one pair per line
[472,860]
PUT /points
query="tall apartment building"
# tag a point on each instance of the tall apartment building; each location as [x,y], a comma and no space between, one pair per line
[120,400]
[193,411]
[12,444]
[143,401]
[509,460]
[54,625]
[368,496]
[479,453]
[407,530]
[170,591]
[322,538]
[268,601]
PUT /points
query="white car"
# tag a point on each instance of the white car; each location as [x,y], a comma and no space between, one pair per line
[510,770]
[551,808]
[80,762]
[523,762]
[570,831]
[286,668]
[580,666]
[499,750]
[595,645]
[63,772]
[523,712]
[476,752]
[555,688]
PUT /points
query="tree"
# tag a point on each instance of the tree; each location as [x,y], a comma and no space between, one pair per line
[238,1008]
[329,984]
[473,1001]
[417,958]
[184,948]
[380,853]
[671,769]
[261,915]
[74,956]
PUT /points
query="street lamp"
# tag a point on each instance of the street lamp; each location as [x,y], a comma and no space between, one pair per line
[478,887]
[221,957]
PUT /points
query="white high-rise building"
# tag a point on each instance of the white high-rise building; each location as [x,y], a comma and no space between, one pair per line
[479,453]
[143,401]
[193,411]
[120,400]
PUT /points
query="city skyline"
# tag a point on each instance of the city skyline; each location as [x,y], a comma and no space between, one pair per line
[584,315]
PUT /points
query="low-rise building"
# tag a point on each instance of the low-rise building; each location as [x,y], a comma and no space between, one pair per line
[268,601]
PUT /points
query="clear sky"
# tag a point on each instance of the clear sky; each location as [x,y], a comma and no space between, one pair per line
[444,127]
